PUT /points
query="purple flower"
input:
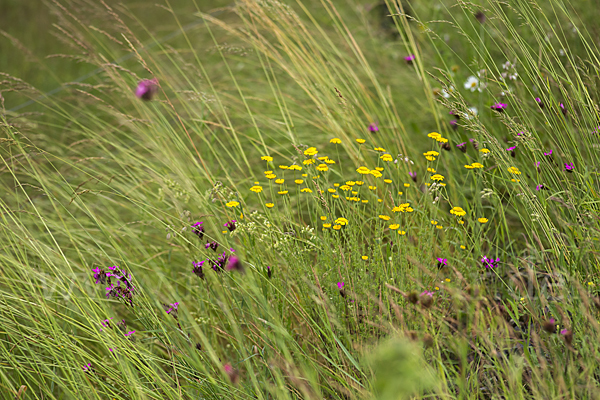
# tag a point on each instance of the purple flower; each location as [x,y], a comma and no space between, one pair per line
[441,262]
[413,176]
[490,262]
[211,245]
[235,264]
[373,127]
[540,187]
[511,148]
[454,124]
[426,293]
[269,272]
[87,368]
[548,153]
[563,109]
[171,309]
[462,147]
[198,269]
[198,230]
[106,323]
[409,59]
[100,275]
[129,333]
[455,114]
[123,291]
[499,107]
[569,167]
[220,263]
[520,133]
[474,143]
[340,285]
[539,101]
[146,89]
[230,225]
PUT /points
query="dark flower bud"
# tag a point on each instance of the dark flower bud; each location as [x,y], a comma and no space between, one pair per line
[269,272]
[446,146]
[198,230]
[413,297]
[198,269]
[563,109]
[567,335]
[212,245]
[340,286]
[413,176]
[426,299]
[539,101]
[480,16]
[462,147]
[146,89]
[549,325]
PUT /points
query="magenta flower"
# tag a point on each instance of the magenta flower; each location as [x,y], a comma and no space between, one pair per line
[373,127]
[539,101]
[269,272]
[409,59]
[235,264]
[211,245]
[490,262]
[231,372]
[474,143]
[87,368]
[340,285]
[455,114]
[413,176]
[230,225]
[540,187]
[548,153]
[197,269]
[511,148]
[462,147]
[563,109]
[569,167]
[129,333]
[454,124]
[499,107]
[426,293]
[442,262]
[198,230]
[171,309]
[146,89]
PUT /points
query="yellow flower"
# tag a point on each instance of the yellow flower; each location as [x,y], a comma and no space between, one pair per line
[284,167]
[359,183]
[283,192]
[322,167]
[350,183]
[407,185]
[328,161]
[477,165]
[379,200]
[341,221]
[441,183]
[308,161]
[439,227]
[365,201]
[387,180]
[336,184]
[232,203]
[337,227]
[268,172]
[270,205]
[431,153]
[323,218]
[279,181]
[335,141]
[363,170]
[384,217]
[345,188]
[379,149]
[401,233]
[336,196]
[469,166]
[306,190]
[430,158]
[365,258]
[354,193]
[482,220]
[298,181]
[256,189]
[379,169]
[461,222]
[387,157]
[266,158]
[326,225]
[372,187]
[484,151]
[434,222]
[431,170]
[441,140]
[271,176]
[360,141]
[311,151]
[376,173]
[434,135]
[463,247]
[515,180]
[400,193]
[437,177]
[394,226]
[296,167]
[304,175]
[322,158]
[331,190]
[459,212]
[514,170]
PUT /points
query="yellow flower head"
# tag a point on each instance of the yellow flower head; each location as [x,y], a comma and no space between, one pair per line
[306,190]
[256,189]
[407,185]
[268,172]
[269,205]
[400,193]
[431,153]
[434,135]
[468,166]
[477,165]
[441,140]
[376,173]
[462,247]
[434,222]
[379,149]
[431,170]
[331,190]
[364,201]
[360,141]
[323,218]
[365,258]
[283,192]
[345,188]
[384,217]
[335,196]
[271,176]
[266,158]
[372,187]
[459,212]
[328,161]
[379,169]
[359,183]
[295,167]
[484,151]
[308,161]
[363,170]
[311,151]
[341,221]
[335,141]
[322,167]
[394,226]
[437,177]
[232,203]
[514,170]
[279,181]
[337,227]
[350,183]
[284,167]
[387,157]
[326,225]
[439,227]
[401,233]
[387,181]
[299,181]
[482,220]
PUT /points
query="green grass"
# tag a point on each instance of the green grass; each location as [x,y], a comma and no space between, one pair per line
[324,307]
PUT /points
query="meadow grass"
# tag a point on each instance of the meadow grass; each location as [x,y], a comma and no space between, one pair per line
[316,200]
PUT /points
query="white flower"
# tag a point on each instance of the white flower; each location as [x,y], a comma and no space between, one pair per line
[446,94]
[471,113]
[472,83]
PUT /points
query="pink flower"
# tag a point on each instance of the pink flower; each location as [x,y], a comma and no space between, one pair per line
[146,89]
[373,127]
[340,285]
